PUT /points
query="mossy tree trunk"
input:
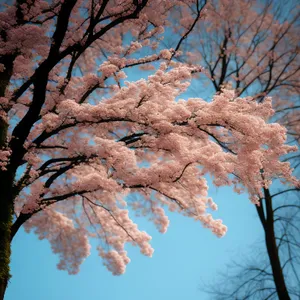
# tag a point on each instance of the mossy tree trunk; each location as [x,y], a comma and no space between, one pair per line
[6,184]
[6,215]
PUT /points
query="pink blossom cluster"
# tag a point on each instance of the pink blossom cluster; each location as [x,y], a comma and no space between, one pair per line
[66,240]
[181,140]
[4,156]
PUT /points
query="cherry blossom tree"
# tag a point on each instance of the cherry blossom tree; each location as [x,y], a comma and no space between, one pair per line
[252,47]
[77,140]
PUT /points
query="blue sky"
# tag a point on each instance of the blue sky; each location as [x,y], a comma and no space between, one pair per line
[184,257]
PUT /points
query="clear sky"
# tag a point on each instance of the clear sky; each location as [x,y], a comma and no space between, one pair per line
[184,257]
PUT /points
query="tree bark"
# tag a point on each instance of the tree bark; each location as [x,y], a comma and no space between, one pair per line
[6,184]
[272,250]
[6,216]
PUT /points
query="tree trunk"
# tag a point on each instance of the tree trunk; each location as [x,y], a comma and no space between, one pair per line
[272,250]
[6,215]
[6,176]
[6,182]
